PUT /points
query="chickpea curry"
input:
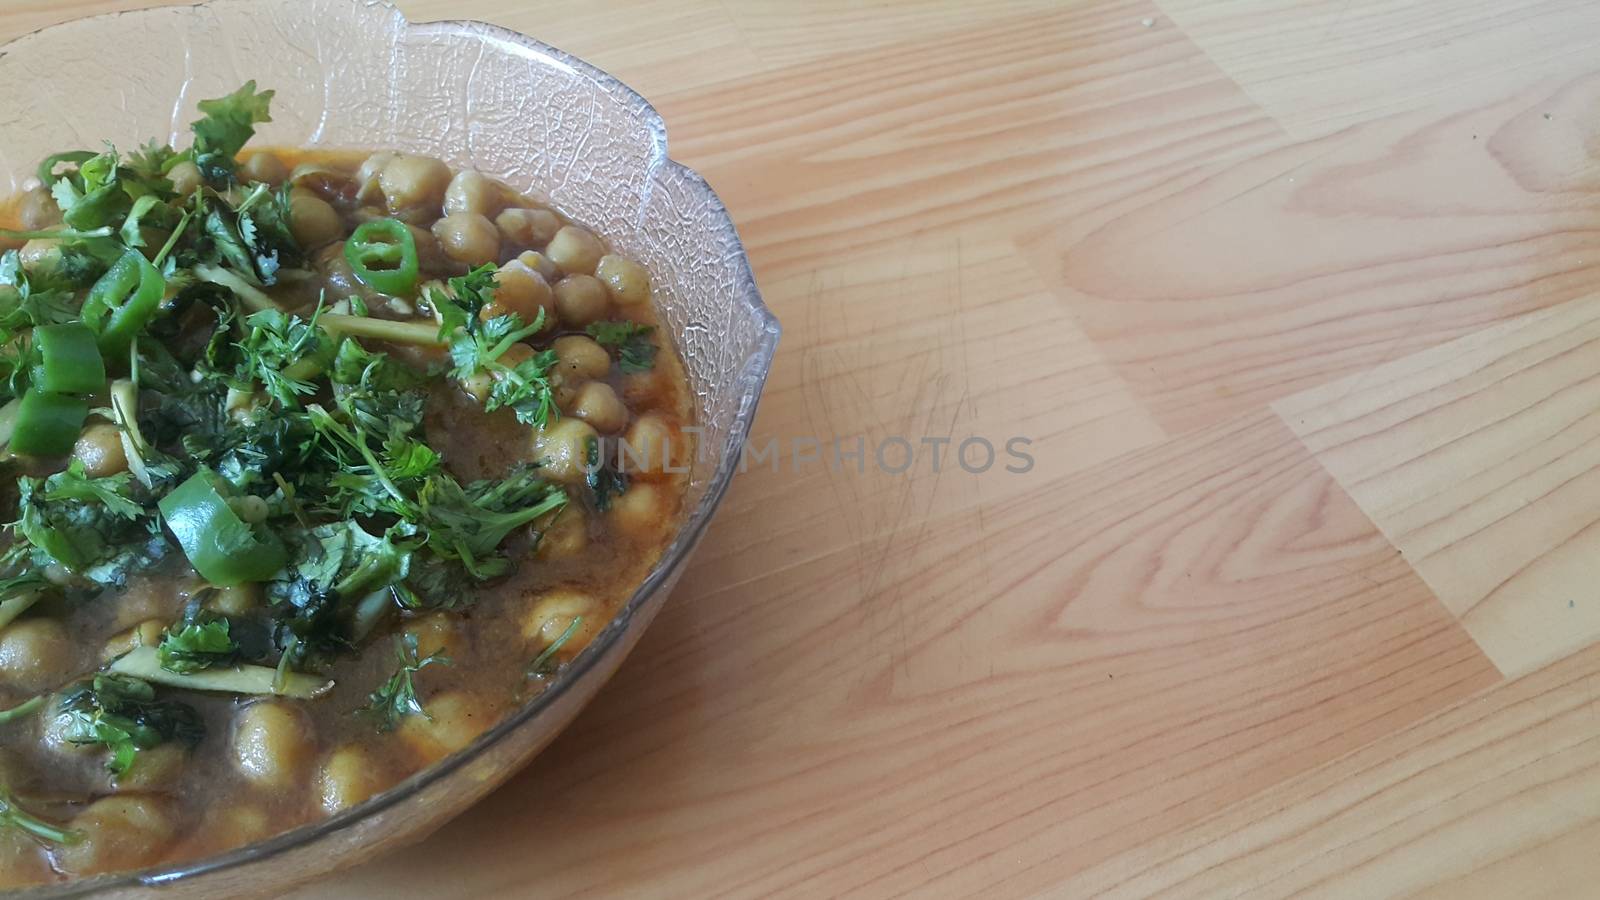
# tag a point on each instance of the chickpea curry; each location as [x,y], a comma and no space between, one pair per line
[321,464]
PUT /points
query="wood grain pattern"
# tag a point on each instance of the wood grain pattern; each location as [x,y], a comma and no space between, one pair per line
[1298,304]
[1324,65]
[1480,459]
[1489,800]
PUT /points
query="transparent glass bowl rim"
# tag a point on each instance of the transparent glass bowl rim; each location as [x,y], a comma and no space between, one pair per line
[749,382]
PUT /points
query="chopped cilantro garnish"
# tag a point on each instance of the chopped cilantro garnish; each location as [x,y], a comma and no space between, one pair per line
[629,342]
[397,697]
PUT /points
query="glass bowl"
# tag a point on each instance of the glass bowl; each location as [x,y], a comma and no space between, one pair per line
[356,74]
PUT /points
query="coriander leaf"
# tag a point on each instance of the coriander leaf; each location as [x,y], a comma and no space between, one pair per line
[272,441]
[282,353]
[331,566]
[22,710]
[410,458]
[29,300]
[468,524]
[97,527]
[149,165]
[629,342]
[459,307]
[20,592]
[196,645]
[13,815]
[434,583]
[123,714]
[524,387]
[604,482]
[225,244]
[92,197]
[264,230]
[354,365]
[545,663]
[66,193]
[114,492]
[229,124]
[397,698]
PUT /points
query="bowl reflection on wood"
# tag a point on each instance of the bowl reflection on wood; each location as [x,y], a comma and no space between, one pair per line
[355,74]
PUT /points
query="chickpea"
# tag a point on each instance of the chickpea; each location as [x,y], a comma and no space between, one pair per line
[477,386]
[520,290]
[561,449]
[575,250]
[640,511]
[580,300]
[419,356]
[649,446]
[125,831]
[40,252]
[471,192]
[349,775]
[528,227]
[553,612]
[564,534]
[252,509]
[516,354]
[627,281]
[468,238]
[21,863]
[145,634]
[144,599]
[148,633]
[414,181]
[36,653]
[367,175]
[430,255]
[645,388]
[437,633]
[235,599]
[325,181]
[237,823]
[185,178]
[597,404]
[580,357]
[540,263]
[100,450]
[271,743]
[312,220]
[157,768]
[456,719]
[564,390]
[39,209]
[266,167]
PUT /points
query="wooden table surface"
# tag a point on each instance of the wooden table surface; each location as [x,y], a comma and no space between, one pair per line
[1298,302]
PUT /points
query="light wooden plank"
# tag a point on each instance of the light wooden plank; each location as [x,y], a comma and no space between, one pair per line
[1310,261]
[1086,111]
[787,33]
[1480,459]
[1322,65]
[1497,798]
